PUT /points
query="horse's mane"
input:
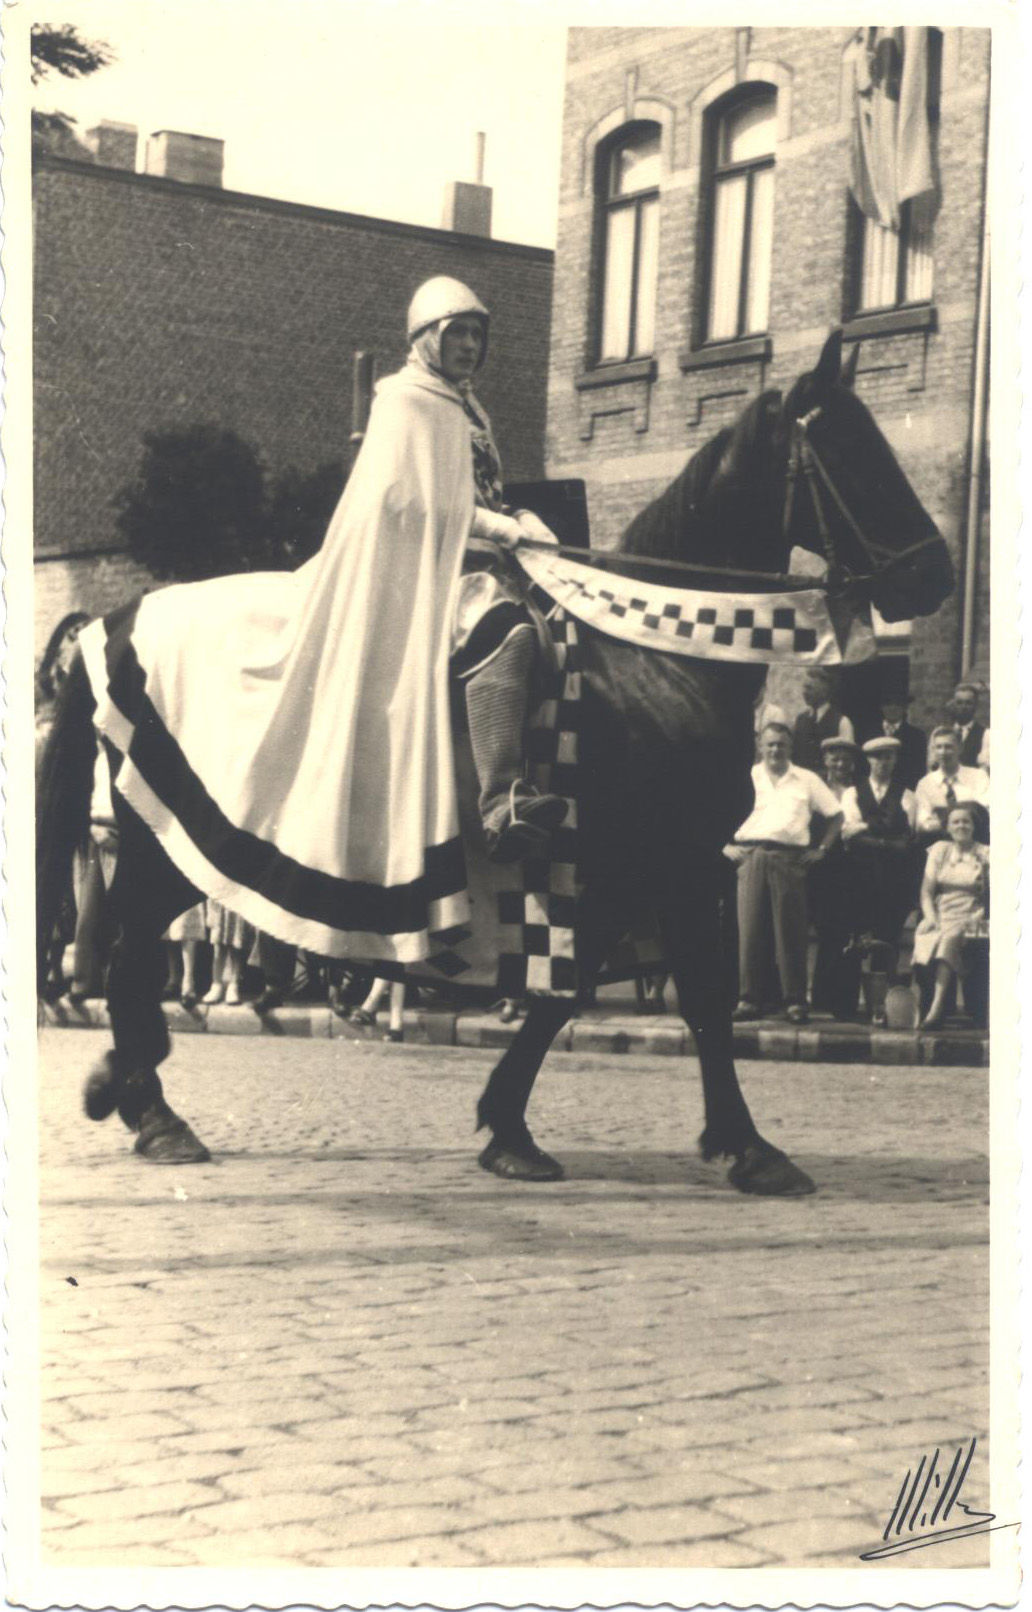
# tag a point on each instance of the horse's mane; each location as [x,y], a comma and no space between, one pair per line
[720,483]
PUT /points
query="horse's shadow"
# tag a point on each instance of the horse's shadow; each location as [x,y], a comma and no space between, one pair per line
[865,1178]
[859,1178]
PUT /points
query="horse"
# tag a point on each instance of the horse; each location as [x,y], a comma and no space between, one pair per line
[666,747]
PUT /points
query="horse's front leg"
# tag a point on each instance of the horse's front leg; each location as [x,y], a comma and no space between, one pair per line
[512,1151]
[696,948]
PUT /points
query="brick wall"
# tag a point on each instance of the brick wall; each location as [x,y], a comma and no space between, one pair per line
[159,304]
[95,583]
[918,385]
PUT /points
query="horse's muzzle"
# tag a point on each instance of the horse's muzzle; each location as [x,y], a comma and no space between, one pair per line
[917,584]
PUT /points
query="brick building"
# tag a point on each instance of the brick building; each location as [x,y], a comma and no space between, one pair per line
[708,242]
[163,300]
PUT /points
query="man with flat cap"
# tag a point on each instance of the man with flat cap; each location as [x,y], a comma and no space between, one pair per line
[878,835]
[912,762]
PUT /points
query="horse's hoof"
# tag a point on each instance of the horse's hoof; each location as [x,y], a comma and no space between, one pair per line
[100,1093]
[769,1173]
[520,1161]
[166,1139]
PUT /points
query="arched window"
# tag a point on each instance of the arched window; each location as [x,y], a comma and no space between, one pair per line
[628,196]
[742,136]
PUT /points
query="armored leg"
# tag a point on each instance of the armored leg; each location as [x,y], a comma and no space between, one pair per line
[517,819]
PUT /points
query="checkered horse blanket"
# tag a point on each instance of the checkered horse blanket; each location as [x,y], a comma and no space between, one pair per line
[754,628]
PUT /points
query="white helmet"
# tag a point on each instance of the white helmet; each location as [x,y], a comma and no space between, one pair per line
[442,298]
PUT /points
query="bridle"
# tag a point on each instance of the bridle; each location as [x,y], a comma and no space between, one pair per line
[805,462]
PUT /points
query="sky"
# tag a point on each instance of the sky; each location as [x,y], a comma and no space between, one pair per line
[364,107]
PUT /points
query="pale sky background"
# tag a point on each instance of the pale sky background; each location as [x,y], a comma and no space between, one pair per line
[369,108]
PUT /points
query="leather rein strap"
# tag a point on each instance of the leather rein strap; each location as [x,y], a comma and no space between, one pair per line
[805,461]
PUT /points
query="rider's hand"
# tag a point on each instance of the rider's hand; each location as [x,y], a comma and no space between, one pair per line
[492,525]
[533,526]
[508,536]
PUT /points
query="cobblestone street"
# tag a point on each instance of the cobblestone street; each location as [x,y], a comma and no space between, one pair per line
[342,1343]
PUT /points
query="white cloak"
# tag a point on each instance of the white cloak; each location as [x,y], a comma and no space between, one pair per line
[287,736]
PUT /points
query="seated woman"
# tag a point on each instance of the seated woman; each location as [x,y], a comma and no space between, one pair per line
[954,903]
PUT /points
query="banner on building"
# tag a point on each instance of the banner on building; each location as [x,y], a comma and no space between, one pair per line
[893,149]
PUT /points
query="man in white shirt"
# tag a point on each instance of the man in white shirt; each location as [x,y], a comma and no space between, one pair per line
[946,784]
[772,852]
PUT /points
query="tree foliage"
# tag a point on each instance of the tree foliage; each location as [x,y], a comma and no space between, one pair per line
[299,510]
[201,505]
[61,49]
[196,507]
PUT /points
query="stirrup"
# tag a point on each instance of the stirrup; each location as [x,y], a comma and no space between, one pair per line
[531,819]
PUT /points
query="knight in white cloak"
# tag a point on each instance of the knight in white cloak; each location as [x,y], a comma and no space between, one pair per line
[288,739]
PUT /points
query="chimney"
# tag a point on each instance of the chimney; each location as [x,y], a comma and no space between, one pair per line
[467,207]
[113,144]
[193,159]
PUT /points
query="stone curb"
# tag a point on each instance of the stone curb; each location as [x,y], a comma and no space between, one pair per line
[775,1042]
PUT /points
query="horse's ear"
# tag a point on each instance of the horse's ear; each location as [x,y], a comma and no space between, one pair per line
[848,376]
[829,365]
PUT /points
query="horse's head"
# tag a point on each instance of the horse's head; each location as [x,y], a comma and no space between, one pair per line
[847,498]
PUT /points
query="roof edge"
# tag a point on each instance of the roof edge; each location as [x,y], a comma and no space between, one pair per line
[273,204]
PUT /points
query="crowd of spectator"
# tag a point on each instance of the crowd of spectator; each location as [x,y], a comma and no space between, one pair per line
[848,842]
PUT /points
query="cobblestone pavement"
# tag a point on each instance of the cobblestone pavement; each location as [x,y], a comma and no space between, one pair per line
[342,1343]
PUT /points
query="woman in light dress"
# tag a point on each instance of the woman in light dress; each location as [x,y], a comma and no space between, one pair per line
[954,906]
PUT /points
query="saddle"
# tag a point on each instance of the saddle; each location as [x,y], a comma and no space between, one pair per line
[494,600]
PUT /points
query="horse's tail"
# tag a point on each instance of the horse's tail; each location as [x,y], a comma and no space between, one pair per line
[64,786]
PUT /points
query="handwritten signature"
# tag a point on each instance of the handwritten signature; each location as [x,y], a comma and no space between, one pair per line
[926,1501]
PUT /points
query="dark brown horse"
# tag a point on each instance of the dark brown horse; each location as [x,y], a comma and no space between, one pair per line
[666,748]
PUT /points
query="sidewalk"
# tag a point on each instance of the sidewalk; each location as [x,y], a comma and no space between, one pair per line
[612,1026]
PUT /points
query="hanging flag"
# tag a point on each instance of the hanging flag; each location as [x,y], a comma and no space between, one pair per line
[916,171]
[892,156]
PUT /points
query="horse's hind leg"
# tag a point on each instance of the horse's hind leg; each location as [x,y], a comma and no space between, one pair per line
[141,1043]
[696,949]
[146,894]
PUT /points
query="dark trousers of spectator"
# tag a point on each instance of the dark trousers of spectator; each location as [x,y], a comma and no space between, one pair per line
[836,972]
[94,927]
[277,960]
[772,911]
[886,881]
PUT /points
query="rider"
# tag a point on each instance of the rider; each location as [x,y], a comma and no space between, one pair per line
[316,798]
[494,641]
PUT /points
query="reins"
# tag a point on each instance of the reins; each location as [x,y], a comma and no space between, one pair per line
[805,461]
[616,561]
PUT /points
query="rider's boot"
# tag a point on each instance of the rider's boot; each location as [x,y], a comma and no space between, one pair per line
[517,819]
